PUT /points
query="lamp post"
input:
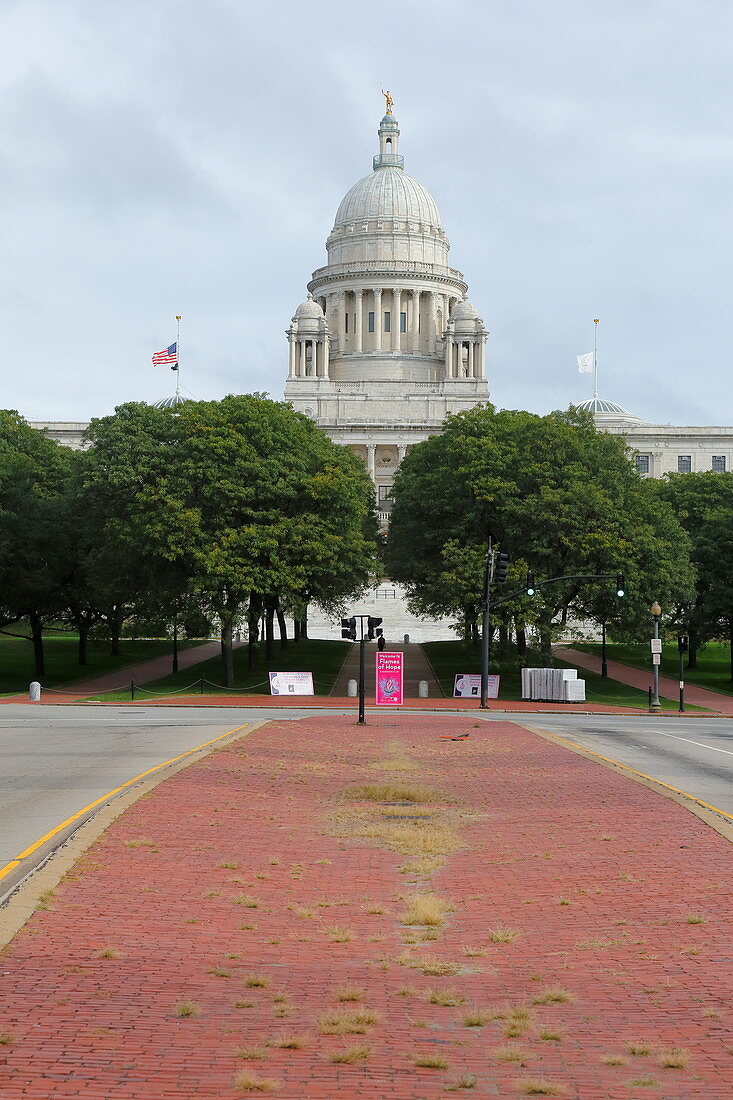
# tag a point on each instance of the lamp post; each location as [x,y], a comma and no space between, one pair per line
[655,706]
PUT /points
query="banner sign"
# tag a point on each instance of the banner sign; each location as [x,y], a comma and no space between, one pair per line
[467,685]
[389,679]
[291,683]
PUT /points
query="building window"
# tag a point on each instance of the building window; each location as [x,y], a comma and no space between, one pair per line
[386,322]
[642,464]
[370,325]
[684,464]
[385,492]
[347,322]
[403,322]
[719,464]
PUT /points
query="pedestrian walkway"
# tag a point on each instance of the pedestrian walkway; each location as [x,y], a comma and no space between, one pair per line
[642,678]
[416,669]
[251,927]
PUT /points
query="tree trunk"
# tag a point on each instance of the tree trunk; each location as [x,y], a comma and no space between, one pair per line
[115,627]
[304,625]
[37,636]
[521,638]
[269,630]
[296,630]
[253,633]
[227,651]
[692,650]
[503,641]
[282,626]
[83,629]
[546,641]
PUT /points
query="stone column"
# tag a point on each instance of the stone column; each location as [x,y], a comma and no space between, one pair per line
[371,460]
[359,321]
[396,335]
[448,355]
[301,357]
[401,452]
[471,346]
[291,356]
[431,322]
[341,299]
[326,353]
[378,320]
[415,326]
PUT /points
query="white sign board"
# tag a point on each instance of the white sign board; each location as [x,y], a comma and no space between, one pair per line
[291,683]
[656,658]
[467,685]
[656,645]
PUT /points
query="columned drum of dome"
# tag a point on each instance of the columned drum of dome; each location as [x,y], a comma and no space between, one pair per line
[387,344]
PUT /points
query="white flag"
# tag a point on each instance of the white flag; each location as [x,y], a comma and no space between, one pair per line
[585,363]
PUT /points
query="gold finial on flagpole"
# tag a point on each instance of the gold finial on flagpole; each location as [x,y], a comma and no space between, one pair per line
[390,101]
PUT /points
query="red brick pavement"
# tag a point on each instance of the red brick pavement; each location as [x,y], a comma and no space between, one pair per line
[600,877]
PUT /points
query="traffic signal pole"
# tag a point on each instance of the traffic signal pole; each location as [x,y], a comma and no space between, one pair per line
[348,630]
[485,630]
[362,640]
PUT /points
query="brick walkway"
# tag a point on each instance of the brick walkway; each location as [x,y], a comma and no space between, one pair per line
[226,887]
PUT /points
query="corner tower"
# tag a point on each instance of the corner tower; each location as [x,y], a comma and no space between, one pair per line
[404,346]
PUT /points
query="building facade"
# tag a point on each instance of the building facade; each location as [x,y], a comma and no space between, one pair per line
[386,344]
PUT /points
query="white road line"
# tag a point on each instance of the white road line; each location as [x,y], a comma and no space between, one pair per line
[674,737]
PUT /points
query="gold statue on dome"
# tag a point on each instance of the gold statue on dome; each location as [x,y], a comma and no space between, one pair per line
[390,101]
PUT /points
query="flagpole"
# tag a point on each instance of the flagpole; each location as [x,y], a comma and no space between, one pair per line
[595,357]
[178,357]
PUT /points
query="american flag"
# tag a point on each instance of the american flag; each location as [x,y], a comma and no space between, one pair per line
[169,357]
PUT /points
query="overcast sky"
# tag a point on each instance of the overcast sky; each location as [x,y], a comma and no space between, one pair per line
[188,156]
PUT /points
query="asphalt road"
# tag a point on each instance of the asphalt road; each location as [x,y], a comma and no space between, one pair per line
[54,761]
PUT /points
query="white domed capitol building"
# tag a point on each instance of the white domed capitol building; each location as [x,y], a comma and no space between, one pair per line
[387,343]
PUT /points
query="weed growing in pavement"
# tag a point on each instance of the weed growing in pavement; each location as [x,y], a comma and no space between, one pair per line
[550,1034]
[221,972]
[428,909]
[184,1009]
[465,1081]
[695,918]
[227,866]
[516,1022]
[44,900]
[289,1042]
[5,1039]
[247,901]
[476,1017]
[250,1054]
[511,1052]
[614,1060]
[108,953]
[305,911]
[212,894]
[553,994]
[503,935]
[473,952]
[538,1086]
[638,1048]
[429,964]
[447,998]
[338,934]
[279,998]
[375,909]
[249,1082]
[406,991]
[140,842]
[348,993]
[347,1022]
[675,1058]
[430,1060]
[281,1011]
[393,792]
[647,1082]
[244,1004]
[256,981]
[350,1056]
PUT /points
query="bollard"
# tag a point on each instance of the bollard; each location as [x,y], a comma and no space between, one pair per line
[201,691]
[407,639]
[352,689]
[422,689]
[34,692]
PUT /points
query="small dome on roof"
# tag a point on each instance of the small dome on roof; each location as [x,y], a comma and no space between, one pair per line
[600,407]
[170,402]
[309,315]
[464,316]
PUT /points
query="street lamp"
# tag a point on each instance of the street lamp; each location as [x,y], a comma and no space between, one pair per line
[655,706]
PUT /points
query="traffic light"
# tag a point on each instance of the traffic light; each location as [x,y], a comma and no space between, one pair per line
[348,628]
[374,629]
[683,643]
[530,584]
[620,585]
[502,564]
[381,642]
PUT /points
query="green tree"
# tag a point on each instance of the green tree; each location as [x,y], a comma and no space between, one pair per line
[242,501]
[703,504]
[558,496]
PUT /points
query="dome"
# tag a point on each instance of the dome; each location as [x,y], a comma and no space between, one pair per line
[388,193]
[309,316]
[464,316]
[170,402]
[600,407]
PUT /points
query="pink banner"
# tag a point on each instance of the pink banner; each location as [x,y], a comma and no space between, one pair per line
[389,679]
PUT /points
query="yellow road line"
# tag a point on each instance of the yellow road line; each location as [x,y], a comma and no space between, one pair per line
[618,764]
[80,813]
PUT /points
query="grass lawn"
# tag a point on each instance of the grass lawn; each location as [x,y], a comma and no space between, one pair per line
[324,659]
[17,667]
[449,658]
[713,662]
